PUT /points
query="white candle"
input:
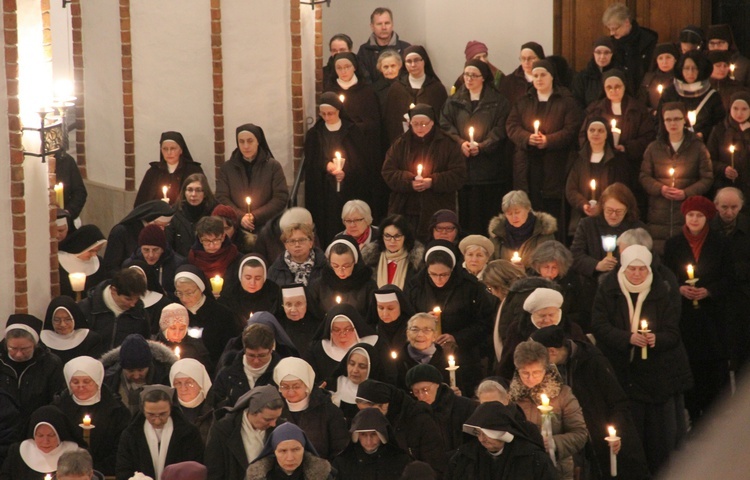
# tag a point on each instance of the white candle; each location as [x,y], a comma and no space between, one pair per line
[217,283]
[177,351]
[732,149]
[515,258]
[436,312]
[86,420]
[692,117]
[593,189]
[338,161]
[452,369]
[690,272]
[471,135]
[660,89]
[611,439]
[164,193]
[616,132]
[644,330]
[609,243]
[545,400]
[59,195]
[671,174]
[536,127]
[342,97]
[77,281]
[338,299]
[248,201]
[732,66]
[419,172]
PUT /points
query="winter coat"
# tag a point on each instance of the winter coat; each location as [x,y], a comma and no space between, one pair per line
[280,274]
[588,86]
[638,131]
[666,371]
[133,454]
[109,416]
[587,246]
[323,423]
[371,254]
[544,230]
[225,454]
[443,162]
[612,168]
[243,303]
[710,114]
[165,269]
[201,416]
[450,412]
[488,119]
[514,86]
[181,230]
[368,53]
[356,290]
[231,381]
[723,135]
[404,363]
[11,423]
[524,460]
[313,468]
[41,378]
[560,118]
[219,326]
[693,174]
[568,426]
[401,95]
[386,463]
[103,321]
[74,191]
[603,401]
[648,93]
[361,105]
[267,189]
[157,176]
[634,52]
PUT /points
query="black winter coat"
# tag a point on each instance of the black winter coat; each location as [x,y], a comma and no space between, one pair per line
[323,423]
[525,460]
[133,454]
[587,84]
[158,175]
[634,52]
[280,274]
[103,321]
[587,246]
[219,326]
[225,453]
[385,464]
[723,135]
[666,371]
[450,412]
[231,382]
[400,96]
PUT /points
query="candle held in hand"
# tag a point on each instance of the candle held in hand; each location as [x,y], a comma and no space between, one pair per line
[177,351]
[616,132]
[436,312]
[217,283]
[451,361]
[732,149]
[419,172]
[338,161]
[611,440]
[545,400]
[164,193]
[471,135]
[660,89]
[248,201]
[516,259]
[644,330]
[86,421]
[690,272]
[692,117]
[452,370]
[593,189]
[732,66]
[671,174]
[536,127]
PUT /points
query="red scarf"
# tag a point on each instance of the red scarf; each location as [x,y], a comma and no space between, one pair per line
[213,264]
[363,238]
[695,241]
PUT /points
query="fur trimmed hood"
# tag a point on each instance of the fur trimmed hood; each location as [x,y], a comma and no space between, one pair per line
[551,384]
[546,224]
[159,351]
[371,255]
[315,468]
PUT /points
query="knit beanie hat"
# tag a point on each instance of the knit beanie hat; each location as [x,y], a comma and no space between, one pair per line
[172,313]
[135,352]
[225,211]
[552,336]
[700,204]
[474,47]
[423,372]
[152,235]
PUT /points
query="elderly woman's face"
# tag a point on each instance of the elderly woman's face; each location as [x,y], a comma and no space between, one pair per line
[390,67]
[615,89]
[45,438]
[425,391]
[636,274]
[614,212]
[476,258]
[357,368]
[83,387]
[187,292]
[252,278]
[293,391]
[343,334]
[176,332]
[389,311]
[299,245]
[544,317]
[421,334]
[355,223]
[62,322]
[187,388]
[516,215]
[548,270]
[532,373]
[295,308]
[344,69]
[289,455]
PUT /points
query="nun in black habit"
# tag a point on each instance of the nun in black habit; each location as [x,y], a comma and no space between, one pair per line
[66,332]
[78,253]
[297,317]
[252,291]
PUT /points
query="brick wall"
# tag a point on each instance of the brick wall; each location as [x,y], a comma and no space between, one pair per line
[298,114]
[127,94]
[218,85]
[77,38]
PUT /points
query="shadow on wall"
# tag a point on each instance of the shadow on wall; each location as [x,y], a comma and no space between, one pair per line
[106,205]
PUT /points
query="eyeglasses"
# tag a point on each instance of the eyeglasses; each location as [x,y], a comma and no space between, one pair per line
[389,237]
[528,59]
[211,241]
[189,384]
[353,221]
[154,416]
[58,321]
[297,241]
[438,275]
[445,229]
[294,388]
[193,190]
[471,76]
[345,267]
[421,124]
[342,331]
[612,211]
[413,61]
[533,374]
[257,356]
[417,330]
[421,391]
[20,349]
[180,294]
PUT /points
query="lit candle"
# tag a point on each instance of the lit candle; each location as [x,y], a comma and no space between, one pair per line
[248,201]
[452,369]
[77,281]
[338,161]
[593,189]
[546,426]
[671,174]
[732,66]
[394,355]
[612,439]
[437,312]
[177,351]
[545,400]
[48,477]
[164,193]
[471,135]
[536,127]
[515,258]
[644,330]
[660,89]
[609,243]
[411,105]
[59,196]
[616,132]
[690,272]
[86,421]
[732,148]
[342,97]
[692,118]
[217,283]
[419,172]
[338,299]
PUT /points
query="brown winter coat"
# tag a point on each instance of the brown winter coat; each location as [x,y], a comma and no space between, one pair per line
[401,95]
[544,230]
[723,135]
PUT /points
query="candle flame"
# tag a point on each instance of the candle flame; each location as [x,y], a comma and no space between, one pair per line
[411,105]
[248,200]
[436,310]
[471,131]
[732,66]
[177,351]
[692,117]
[419,170]
[644,325]
[545,400]
[732,148]
[536,124]
[164,190]
[613,123]
[671,172]
[660,88]
[341,97]
[338,299]
[612,431]
[338,155]
[394,355]
[593,184]
[451,358]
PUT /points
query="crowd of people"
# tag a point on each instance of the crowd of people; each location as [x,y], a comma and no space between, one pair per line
[483,281]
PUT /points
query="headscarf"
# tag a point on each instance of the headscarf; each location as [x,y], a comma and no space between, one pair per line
[171,314]
[284,345]
[195,275]
[635,255]
[56,341]
[286,431]
[82,240]
[259,135]
[179,140]
[370,420]
[148,212]
[345,312]
[192,368]
[290,369]
[534,47]
[66,433]
[420,50]
[256,398]
[483,68]
[27,323]
[661,49]
[185,471]
[496,421]
[253,256]
[85,366]
[389,293]
[344,389]
[332,100]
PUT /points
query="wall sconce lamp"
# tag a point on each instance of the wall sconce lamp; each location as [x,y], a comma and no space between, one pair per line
[312,3]
[47,139]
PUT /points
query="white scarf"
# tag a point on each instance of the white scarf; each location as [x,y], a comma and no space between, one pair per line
[335,127]
[597,157]
[253,374]
[543,97]
[194,309]
[496,340]
[252,439]
[617,108]
[642,291]
[71,263]
[42,462]
[110,302]
[158,444]
[416,83]
[347,85]
[55,341]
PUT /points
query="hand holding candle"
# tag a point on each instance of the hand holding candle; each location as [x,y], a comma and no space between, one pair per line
[436,312]
[536,127]
[732,149]
[164,193]
[616,132]
[613,440]
[593,192]
[452,367]
[339,161]
[419,172]
[671,174]
[643,331]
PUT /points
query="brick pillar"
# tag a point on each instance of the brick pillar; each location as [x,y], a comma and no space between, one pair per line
[218,85]
[17,203]
[318,51]
[298,114]
[76,15]
[127,94]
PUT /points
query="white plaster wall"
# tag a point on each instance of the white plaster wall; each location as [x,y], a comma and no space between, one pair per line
[62,38]
[7,284]
[172,79]
[103,90]
[257,73]
[35,88]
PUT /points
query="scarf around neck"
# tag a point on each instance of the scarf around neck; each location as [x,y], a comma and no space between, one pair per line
[401,260]
[642,290]
[214,263]
[301,271]
[158,444]
[421,356]
[516,236]
[696,241]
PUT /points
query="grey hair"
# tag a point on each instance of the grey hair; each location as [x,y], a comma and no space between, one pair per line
[734,190]
[491,386]
[357,206]
[421,316]
[515,198]
[19,333]
[471,248]
[618,12]
[389,53]
[529,352]
[553,251]
[75,463]
[635,236]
